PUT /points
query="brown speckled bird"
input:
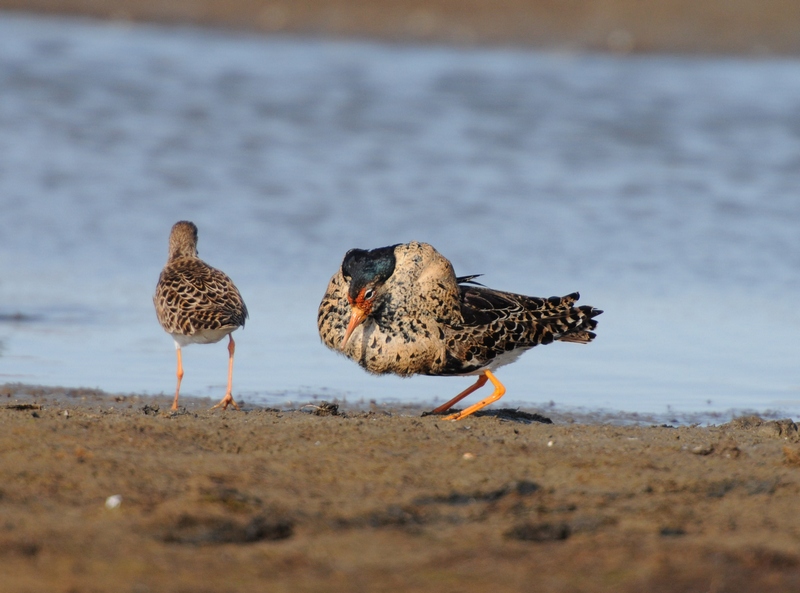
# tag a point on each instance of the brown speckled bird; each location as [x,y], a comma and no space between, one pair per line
[197,304]
[401,309]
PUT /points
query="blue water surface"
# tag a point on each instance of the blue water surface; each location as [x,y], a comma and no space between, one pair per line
[665,189]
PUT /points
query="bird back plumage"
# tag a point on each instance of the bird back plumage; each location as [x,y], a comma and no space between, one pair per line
[191,296]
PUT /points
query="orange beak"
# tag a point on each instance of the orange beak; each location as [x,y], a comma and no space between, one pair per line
[357,317]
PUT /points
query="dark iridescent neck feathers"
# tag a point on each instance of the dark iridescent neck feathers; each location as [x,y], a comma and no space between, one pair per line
[361,267]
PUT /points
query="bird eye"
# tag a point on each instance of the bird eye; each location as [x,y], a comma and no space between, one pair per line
[369,294]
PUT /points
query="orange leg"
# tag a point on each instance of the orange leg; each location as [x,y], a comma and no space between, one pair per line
[499,391]
[478,384]
[180,377]
[228,399]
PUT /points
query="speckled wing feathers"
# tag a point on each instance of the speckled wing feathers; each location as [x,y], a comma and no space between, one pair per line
[191,297]
[499,322]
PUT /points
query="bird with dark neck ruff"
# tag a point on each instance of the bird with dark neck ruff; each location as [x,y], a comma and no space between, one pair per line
[401,309]
[197,304]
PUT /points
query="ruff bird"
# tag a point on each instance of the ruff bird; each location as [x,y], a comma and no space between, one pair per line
[401,309]
[197,304]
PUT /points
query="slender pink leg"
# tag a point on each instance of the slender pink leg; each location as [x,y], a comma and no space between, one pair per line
[180,378]
[499,391]
[228,399]
[478,384]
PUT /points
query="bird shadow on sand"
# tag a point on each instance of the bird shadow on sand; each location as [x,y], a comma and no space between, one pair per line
[508,414]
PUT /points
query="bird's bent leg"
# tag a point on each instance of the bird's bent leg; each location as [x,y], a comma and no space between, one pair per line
[478,384]
[499,391]
[228,399]
[179,373]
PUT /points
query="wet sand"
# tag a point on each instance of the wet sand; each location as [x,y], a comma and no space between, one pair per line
[385,500]
[686,26]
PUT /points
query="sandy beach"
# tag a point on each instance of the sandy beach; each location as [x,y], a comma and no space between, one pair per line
[682,26]
[111,492]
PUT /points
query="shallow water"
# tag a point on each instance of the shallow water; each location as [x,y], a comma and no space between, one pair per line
[665,189]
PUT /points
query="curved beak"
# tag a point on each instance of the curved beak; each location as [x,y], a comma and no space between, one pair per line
[357,317]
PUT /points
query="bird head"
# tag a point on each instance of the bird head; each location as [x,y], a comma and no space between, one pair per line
[183,240]
[366,273]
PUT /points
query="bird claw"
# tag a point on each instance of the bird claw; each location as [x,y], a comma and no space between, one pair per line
[225,402]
